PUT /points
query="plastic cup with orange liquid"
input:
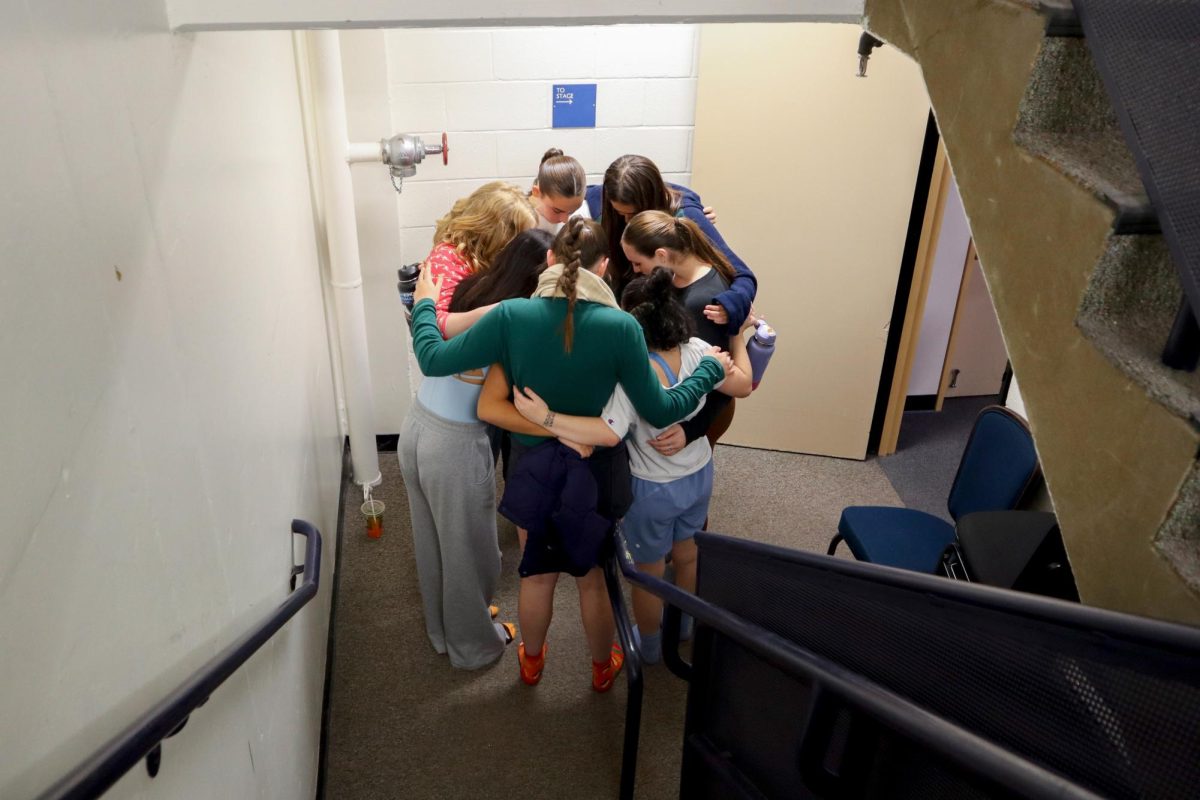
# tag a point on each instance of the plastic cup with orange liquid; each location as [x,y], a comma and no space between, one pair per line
[373,512]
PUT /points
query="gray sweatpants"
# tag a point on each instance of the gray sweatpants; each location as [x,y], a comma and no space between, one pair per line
[451,482]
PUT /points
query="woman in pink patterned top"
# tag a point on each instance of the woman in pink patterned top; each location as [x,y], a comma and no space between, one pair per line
[469,237]
[444,450]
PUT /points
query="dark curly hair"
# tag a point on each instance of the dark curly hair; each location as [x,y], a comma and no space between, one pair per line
[651,300]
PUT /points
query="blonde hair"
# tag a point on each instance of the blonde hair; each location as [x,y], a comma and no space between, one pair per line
[650,230]
[480,224]
[579,245]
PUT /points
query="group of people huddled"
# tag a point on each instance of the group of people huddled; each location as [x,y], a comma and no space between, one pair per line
[593,335]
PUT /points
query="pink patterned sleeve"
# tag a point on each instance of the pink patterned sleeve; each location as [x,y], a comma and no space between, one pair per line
[445,261]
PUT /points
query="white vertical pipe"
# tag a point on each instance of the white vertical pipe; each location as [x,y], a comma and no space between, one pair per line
[345,268]
[312,151]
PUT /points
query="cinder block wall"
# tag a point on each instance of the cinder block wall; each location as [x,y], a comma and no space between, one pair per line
[491,90]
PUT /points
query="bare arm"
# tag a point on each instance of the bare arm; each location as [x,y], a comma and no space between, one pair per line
[459,321]
[585,430]
[738,381]
[495,407]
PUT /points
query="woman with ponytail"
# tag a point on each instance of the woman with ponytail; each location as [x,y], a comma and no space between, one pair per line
[633,184]
[699,271]
[572,345]
[558,190]
[670,493]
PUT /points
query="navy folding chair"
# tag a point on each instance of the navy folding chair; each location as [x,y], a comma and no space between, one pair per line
[998,465]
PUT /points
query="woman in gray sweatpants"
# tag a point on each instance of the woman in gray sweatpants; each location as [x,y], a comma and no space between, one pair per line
[449,473]
[450,478]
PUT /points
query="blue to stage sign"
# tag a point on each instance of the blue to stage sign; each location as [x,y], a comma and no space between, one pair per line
[574,105]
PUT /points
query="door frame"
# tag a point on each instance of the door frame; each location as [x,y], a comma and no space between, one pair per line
[931,227]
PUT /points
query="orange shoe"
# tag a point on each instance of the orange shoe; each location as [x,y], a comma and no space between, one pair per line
[605,675]
[531,666]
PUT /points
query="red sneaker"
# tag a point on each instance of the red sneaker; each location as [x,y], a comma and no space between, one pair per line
[604,675]
[531,666]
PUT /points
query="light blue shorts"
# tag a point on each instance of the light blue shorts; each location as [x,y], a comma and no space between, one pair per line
[665,513]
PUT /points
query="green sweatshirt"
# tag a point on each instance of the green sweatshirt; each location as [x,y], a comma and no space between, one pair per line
[526,337]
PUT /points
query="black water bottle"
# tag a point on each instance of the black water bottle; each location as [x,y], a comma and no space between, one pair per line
[408,275]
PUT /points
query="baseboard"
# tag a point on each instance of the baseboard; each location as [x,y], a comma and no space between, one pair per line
[330,645]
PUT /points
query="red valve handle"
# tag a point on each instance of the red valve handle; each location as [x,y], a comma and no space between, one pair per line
[445,150]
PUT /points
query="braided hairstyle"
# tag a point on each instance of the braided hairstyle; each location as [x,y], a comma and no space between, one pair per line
[650,230]
[579,245]
[652,301]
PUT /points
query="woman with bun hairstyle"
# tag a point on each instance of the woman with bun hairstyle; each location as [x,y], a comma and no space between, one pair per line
[633,184]
[449,475]
[467,239]
[558,190]
[670,493]
[572,345]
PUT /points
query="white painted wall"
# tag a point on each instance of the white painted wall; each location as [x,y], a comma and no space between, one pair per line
[242,14]
[490,89]
[942,299]
[168,402]
[1015,401]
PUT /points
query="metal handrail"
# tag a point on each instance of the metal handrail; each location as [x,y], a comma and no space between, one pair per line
[957,745]
[633,673]
[143,738]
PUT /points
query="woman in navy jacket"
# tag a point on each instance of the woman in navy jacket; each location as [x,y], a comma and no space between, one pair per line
[633,184]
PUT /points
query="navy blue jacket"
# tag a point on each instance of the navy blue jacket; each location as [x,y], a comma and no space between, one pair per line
[552,494]
[740,294]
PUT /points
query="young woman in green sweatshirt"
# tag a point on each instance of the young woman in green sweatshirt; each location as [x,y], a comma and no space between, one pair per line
[572,345]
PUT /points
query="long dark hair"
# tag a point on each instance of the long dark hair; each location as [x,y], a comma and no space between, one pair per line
[579,245]
[634,181]
[514,273]
[651,300]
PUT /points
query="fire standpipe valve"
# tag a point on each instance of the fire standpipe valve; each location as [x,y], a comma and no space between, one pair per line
[403,152]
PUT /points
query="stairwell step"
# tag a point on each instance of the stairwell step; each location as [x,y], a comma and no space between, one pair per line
[1127,312]
[1066,120]
[1100,162]
[1061,19]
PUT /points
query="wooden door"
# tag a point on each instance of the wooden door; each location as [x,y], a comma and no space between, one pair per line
[811,170]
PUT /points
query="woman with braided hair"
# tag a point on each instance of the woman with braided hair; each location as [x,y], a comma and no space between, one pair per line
[572,345]
[670,493]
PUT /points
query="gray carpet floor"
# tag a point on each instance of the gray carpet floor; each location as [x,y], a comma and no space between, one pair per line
[402,723]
